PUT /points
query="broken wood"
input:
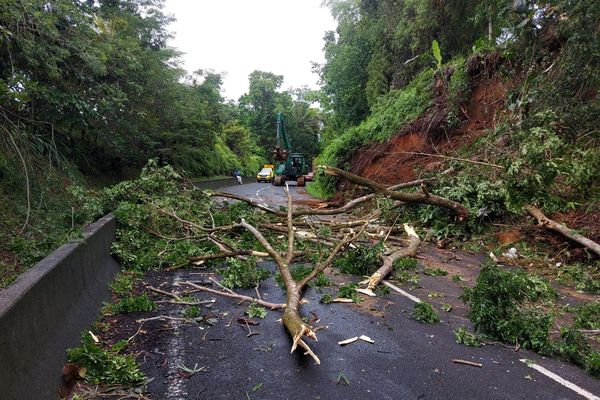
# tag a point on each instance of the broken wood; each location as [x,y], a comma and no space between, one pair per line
[367,339]
[562,229]
[388,261]
[413,197]
[348,341]
[402,292]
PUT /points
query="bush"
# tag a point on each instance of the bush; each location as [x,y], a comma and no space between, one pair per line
[132,304]
[361,260]
[256,310]
[463,336]
[349,292]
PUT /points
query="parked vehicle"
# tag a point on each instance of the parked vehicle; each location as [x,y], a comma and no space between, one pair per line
[265,175]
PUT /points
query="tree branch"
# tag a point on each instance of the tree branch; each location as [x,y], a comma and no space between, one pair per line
[388,261]
[423,198]
[562,229]
[272,306]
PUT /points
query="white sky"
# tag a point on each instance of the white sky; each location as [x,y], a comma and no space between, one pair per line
[240,36]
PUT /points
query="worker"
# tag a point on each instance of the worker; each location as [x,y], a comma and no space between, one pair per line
[238,175]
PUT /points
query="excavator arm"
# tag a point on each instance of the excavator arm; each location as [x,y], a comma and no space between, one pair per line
[281,153]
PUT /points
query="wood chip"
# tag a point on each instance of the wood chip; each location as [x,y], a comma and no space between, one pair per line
[366,339]
[348,341]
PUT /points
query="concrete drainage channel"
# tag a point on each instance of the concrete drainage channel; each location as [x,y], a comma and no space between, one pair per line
[44,312]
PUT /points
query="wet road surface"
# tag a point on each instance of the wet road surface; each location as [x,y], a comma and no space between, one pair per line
[267,194]
[409,359]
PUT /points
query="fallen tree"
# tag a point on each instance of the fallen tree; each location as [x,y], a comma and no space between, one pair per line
[210,231]
[292,319]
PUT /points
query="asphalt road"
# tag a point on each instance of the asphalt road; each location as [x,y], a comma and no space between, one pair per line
[409,359]
[265,193]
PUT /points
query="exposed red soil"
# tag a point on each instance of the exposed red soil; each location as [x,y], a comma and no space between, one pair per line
[395,161]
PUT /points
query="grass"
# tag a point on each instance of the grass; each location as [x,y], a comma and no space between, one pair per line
[317,191]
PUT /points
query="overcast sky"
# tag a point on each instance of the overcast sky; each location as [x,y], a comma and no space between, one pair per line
[239,36]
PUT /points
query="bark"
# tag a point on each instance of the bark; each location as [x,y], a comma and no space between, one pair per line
[415,197]
[562,229]
[388,261]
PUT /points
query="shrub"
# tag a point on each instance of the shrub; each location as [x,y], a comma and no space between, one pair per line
[105,366]
[256,310]
[361,260]
[467,338]
[505,304]
[132,304]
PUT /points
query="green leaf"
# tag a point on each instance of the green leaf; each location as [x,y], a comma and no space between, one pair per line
[437,54]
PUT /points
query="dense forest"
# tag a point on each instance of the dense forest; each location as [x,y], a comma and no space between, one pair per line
[90,92]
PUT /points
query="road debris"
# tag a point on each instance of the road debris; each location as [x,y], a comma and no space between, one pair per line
[348,341]
[465,362]
[366,339]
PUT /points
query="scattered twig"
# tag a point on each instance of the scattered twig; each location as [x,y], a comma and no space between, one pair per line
[465,362]
[272,306]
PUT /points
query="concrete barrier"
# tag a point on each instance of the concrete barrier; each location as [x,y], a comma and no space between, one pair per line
[44,312]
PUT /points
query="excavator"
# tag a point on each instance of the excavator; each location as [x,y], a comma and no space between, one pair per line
[289,166]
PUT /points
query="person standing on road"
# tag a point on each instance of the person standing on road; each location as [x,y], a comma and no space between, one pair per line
[238,175]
